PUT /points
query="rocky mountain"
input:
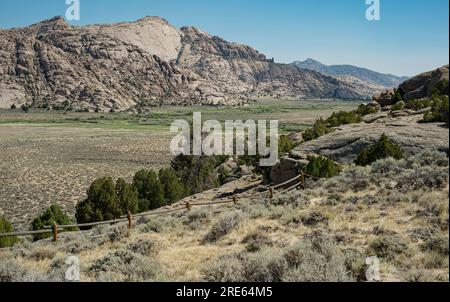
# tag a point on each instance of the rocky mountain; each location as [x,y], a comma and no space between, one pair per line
[418,87]
[373,79]
[147,62]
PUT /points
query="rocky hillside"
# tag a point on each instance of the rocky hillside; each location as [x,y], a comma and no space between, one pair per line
[370,77]
[344,144]
[418,87]
[395,210]
[119,66]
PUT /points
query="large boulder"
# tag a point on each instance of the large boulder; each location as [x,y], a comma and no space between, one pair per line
[422,86]
[286,168]
[347,141]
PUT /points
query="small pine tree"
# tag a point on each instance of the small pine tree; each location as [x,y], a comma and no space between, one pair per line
[52,215]
[101,204]
[364,110]
[343,118]
[150,190]
[6,227]
[128,196]
[322,167]
[397,98]
[319,129]
[383,149]
[174,189]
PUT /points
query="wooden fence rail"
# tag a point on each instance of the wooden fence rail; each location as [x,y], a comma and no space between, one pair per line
[270,192]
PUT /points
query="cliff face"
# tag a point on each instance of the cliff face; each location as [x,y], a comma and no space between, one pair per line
[418,87]
[104,67]
[422,86]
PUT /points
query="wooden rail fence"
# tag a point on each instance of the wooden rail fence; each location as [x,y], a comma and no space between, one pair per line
[299,181]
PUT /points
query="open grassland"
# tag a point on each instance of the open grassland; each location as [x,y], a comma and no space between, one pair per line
[41,166]
[52,157]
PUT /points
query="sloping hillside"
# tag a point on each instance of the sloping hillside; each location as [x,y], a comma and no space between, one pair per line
[363,74]
[115,67]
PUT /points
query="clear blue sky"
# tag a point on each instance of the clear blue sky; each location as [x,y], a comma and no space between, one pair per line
[412,35]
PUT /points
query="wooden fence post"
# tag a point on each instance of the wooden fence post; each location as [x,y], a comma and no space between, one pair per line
[302,180]
[55,232]
[130,222]
[270,192]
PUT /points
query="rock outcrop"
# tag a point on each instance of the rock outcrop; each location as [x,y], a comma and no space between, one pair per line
[422,86]
[148,62]
[344,144]
[418,87]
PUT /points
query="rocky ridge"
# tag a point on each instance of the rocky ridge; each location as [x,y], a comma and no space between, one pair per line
[372,79]
[418,87]
[147,62]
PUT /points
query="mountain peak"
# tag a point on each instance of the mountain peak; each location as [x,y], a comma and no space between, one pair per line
[55,23]
[312,61]
[152,19]
[363,74]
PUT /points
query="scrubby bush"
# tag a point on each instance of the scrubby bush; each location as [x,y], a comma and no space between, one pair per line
[428,157]
[150,190]
[197,218]
[383,149]
[49,217]
[226,223]
[6,227]
[313,218]
[285,145]
[343,118]
[322,127]
[355,263]
[226,268]
[388,166]
[364,110]
[354,178]
[159,224]
[418,104]
[397,98]
[437,243]
[398,106]
[314,259]
[144,247]
[322,167]
[256,241]
[439,111]
[388,247]
[126,266]
[39,253]
[268,265]
[117,232]
[425,177]
[12,271]
[101,203]
[319,129]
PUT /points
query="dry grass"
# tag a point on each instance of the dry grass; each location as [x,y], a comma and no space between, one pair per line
[41,166]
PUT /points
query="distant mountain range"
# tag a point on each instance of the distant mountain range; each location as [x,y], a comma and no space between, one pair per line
[363,74]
